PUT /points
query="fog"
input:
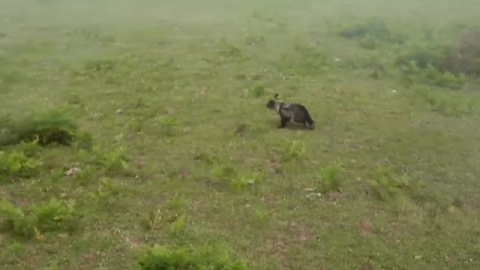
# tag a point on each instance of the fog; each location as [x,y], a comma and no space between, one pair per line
[126,125]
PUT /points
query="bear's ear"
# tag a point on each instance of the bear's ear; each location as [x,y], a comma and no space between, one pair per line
[276,96]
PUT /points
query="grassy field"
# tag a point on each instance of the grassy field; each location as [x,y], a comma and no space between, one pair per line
[173,145]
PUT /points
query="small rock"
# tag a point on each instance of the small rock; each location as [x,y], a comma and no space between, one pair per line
[314,195]
[119,111]
[63,235]
[72,171]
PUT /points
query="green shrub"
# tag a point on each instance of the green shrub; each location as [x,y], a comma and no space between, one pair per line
[18,224]
[451,61]
[429,63]
[371,28]
[236,181]
[446,103]
[225,172]
[152,221]
[240,183]
[107,190]
[292,150]
[53,216]
[369,42]
[85,176]
[169,258]
[445,79]
[114,159]
[260,216]
[17,164]
[385,183]
[465,57]
[178,202]
[423,56]
[432,75]
[178,226]
[11,252]
[329,179]
[167,123]
[205,158]
[54,126]
[30,149]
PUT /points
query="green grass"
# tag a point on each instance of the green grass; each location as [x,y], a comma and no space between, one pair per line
[135,133]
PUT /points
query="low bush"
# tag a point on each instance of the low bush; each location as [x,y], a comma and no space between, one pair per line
[446,103]
[465,58]
[53,216]
[241,183]
[329,179]
[51,127]
[169,258]
[373,28]
[112,159]
[224,172]
[429,74]
[292,150]
[423,56]
[236,181]
[385,183]
[168,124]
[17,164]
[446,66]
